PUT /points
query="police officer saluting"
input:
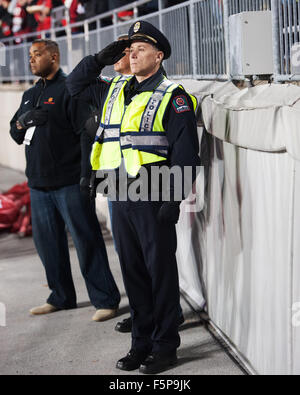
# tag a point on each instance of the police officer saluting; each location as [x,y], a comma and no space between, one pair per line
[144,231]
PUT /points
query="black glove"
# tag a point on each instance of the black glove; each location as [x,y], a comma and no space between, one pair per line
[169,212]
[94,183]
[92,124]
[36,117]
[112,53]
[93,186]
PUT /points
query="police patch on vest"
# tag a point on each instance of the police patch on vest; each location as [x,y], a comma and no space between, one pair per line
[180,104]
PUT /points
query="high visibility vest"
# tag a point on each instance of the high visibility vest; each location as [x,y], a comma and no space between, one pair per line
[134,132]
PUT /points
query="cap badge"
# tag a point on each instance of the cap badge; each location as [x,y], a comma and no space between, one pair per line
[137,27]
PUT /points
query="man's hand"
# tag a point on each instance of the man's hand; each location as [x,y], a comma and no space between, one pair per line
[112,53]
[32,9]
[19,126]
[85,188]
[88,186]
[36,117]
[94,183]
[169,213]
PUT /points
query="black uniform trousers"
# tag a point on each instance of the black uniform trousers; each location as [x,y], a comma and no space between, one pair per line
[147,251]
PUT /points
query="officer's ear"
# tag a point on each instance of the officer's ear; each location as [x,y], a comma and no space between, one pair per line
[159,56]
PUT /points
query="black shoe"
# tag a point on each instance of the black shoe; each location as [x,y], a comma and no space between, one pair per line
[132,360]
[124,326]
[156,363]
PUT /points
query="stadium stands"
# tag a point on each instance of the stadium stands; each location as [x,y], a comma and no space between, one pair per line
[25,16]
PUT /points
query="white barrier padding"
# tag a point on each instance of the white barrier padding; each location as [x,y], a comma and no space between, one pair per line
[244,244]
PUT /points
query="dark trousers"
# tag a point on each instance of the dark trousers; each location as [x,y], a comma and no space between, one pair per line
[147,250]
[51,212]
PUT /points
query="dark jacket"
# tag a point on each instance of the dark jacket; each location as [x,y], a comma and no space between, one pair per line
[59,152]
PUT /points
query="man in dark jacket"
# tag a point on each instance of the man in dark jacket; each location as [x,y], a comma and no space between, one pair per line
[50,123]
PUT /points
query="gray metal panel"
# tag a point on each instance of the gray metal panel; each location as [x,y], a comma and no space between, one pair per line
[251,51]
[176,27]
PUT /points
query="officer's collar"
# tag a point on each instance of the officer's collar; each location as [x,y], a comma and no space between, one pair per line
[147,85]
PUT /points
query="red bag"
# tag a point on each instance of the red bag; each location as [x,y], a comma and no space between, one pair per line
[15,210]
[9,212]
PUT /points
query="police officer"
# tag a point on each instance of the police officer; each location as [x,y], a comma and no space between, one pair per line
[121,67]
[50,123]
[144,231]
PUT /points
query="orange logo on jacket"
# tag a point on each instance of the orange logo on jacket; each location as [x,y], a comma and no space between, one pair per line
[50,101]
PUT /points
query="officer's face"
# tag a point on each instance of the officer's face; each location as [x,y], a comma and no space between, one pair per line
[41,60]
[145,59]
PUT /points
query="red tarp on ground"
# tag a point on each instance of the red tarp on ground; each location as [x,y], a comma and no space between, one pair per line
[15,210]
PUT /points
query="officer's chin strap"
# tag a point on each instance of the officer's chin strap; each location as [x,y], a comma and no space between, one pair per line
[163,71]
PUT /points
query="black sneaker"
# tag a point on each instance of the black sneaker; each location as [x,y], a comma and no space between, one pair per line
[132,360]
[124,326]
[157,362]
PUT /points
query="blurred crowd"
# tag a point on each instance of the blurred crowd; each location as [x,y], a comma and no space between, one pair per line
[18,17]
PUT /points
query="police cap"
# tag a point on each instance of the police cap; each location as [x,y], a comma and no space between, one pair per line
[144,31]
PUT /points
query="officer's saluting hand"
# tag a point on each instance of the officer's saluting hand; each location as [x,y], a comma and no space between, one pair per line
[112,53]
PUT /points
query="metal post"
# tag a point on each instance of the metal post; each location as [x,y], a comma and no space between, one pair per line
[12,64]
[52,34]
[69,44]
[24,48]
[193,37]
[98,35]
[115,21]
[86,37]
[275,35]
[226,35]
[160,6]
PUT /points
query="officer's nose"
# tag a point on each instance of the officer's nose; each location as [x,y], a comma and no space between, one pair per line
[133,53]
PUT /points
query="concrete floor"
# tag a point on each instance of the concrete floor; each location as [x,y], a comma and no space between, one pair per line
[69,342]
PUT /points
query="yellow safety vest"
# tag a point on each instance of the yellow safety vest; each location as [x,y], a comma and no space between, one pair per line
[135,131]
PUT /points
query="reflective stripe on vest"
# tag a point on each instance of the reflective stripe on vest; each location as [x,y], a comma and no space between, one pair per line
[153,104]
[113,93]
[116,86]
